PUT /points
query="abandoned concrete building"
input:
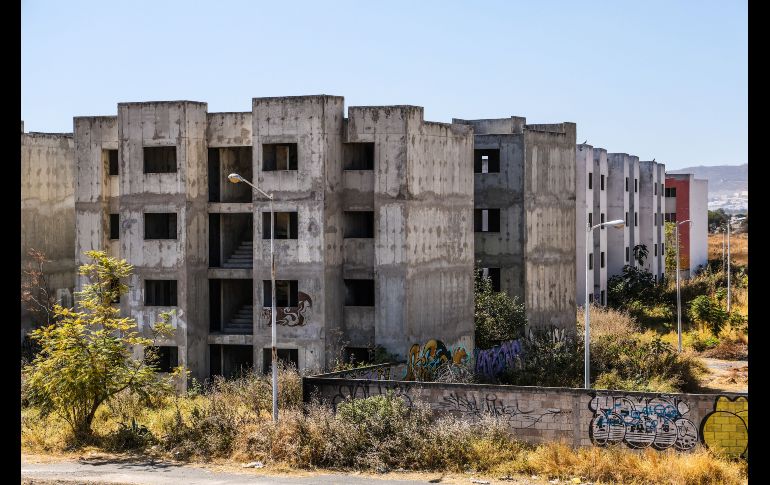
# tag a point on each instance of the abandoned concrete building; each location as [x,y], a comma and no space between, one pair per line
[524,191]
[48,211]
[380,217]
[619,187]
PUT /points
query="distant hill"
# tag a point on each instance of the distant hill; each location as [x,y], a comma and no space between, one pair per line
[728,185]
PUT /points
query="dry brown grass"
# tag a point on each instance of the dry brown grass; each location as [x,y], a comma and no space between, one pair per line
[739,247]
[607,321]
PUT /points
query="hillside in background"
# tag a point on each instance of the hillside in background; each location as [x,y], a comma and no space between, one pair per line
[728,185]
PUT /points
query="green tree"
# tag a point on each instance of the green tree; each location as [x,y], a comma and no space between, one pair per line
[498,317]
[640,253]
[708,311]
[85,357]
[717,218]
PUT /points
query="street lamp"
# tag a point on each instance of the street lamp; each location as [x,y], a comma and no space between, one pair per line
[729,224]
[235,178]
[678,297]
[589,230]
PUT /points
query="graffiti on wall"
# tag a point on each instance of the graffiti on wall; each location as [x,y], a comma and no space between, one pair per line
[494,406]
[290,316]
[640,422]
[364,389]
[372,373]
[422,362]
[492,362]
[726,429]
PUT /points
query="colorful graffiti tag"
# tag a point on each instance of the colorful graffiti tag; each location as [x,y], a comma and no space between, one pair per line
[495,406]
[290,316]
[421,362]
[640,422]
[726,429]
[363,389]
[490,363]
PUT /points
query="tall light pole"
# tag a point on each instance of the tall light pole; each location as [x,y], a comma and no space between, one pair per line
[589,230]
[235,178]
[729,224]
[678,294]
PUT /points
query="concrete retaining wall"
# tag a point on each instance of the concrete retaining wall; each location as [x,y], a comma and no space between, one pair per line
[577,417]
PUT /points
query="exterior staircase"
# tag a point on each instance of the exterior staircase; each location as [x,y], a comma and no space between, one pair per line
[242,322]
[242,257]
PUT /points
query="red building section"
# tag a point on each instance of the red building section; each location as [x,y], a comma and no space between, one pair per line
[682,214]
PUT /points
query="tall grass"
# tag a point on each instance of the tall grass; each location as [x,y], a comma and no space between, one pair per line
[378,434]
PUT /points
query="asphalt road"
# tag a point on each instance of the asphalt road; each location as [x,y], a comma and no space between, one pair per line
[150,472]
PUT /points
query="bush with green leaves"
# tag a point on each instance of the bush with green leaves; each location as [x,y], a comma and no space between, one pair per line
[497,316]
[633,285]
[85,357]
[708,312]
[640,364]
[549,357]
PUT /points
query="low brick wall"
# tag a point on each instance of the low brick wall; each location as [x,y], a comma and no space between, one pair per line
[574,416]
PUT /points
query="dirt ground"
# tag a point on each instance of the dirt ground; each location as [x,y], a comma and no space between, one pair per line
[726,375]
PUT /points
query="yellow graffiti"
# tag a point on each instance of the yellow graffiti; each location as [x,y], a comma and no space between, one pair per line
[726,429]
[421,362]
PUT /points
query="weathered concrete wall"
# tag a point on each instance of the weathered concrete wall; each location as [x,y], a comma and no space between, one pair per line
[618,207]
[600,214]
[648,215]
[661,228]
[577,417]
[314,123]
[549,209]
[583,165]
[48,209]
[699,228]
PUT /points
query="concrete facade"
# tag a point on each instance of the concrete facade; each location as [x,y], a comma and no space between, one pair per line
[689,202]
[651,186]
[363,252]
[622,167]
[48,211]
[525,213]
[600,215]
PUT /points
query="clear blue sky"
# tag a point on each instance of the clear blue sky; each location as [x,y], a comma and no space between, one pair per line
[667,80]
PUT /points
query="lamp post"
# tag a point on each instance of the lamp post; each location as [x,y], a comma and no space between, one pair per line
[729,224]
[589,230]
[678,296]
[235,178]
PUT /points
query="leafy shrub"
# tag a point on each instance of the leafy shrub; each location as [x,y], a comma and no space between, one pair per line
[497,317]
[633,284]
[549,358]
[640,363]
[704,309]
[700,340]
[129,437]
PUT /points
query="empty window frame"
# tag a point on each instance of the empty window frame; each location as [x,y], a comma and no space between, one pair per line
[655,252]
[359,292]
[590,298]
[358,156]
[165,358]
[661,187]
[670,191]
[486,161]
[661,249]
[604,299]
[358,224]
[160,159]
[601,220]
[601,260]
[590,260]
[160,293]
[288,357]
[626,184]
[602,182]
[654,189]
[359,355]
[114,226]
[627,251]
[486,220]
[285,225]
[626,218]
[590,219]
[111,157]
[279,156]
[286,293]
[161,225]
[494,276]
[590,180]
[636,219]
[636,185]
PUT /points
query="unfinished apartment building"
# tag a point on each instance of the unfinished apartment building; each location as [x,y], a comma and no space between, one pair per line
[622,203]
[373,226]
[524,214]
[592,186]
[48,214]
[652,176]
